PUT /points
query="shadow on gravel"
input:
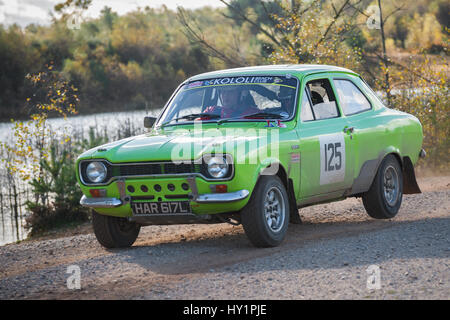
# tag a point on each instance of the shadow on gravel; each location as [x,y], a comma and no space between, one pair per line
[308,246]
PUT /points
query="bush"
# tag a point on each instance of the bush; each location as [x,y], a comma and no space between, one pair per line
[45,218]
[423,92]
[57,194]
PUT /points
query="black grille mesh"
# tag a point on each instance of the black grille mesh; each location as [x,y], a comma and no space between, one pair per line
[139,169]
[172,168]
[157,168]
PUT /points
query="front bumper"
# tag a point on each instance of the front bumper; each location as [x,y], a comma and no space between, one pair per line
[222,197]
[201,198]
[100,202]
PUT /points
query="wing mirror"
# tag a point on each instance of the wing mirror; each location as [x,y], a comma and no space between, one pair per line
[149,122]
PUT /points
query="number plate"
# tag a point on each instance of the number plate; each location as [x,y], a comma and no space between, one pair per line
[160,208]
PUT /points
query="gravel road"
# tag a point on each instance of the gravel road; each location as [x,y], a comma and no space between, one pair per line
[327,257]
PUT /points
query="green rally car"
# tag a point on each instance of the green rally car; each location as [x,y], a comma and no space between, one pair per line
[250,146]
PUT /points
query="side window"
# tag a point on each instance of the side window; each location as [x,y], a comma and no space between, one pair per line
[351,98]
[306,113]
[323,100]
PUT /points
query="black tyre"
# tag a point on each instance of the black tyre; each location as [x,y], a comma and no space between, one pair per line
[114,232]
[384,197]
[266,217]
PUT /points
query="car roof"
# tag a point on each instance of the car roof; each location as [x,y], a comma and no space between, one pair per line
[282,69]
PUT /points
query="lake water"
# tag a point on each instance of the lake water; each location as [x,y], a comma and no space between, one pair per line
[11,229]
[111,121]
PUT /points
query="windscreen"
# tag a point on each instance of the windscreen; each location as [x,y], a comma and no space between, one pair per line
[234,98]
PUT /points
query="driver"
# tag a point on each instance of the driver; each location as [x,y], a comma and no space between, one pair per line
[235,102]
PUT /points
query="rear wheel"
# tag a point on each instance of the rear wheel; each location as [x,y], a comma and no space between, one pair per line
[266,217]
[384,197]
[114,232]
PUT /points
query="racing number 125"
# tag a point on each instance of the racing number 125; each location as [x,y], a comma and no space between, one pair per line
[332,158]
[332,150]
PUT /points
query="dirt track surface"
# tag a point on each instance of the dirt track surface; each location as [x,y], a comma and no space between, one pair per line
[326,257]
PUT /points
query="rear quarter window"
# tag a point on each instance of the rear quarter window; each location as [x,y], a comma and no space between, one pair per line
[351,98]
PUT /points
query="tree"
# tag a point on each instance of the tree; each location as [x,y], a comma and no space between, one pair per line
[293,33]
[80,4]
[443,15]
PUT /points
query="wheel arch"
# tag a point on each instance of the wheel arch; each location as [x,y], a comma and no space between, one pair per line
[281,173]
[273,167]
[369,170]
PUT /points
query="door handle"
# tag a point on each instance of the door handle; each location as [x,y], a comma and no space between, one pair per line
[349,129]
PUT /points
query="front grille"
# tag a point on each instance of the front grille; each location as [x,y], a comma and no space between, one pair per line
[173,168]
[140,169]
[156,168]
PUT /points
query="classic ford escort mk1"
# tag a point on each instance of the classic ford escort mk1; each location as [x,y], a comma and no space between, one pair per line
[250,146]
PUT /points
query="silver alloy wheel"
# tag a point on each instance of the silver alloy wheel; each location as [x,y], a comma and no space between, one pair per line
[274,209]
[391,186]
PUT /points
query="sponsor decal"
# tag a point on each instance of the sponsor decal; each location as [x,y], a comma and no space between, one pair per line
[195,84]
[276,124]
[280,124]
[285,81]
[269,125]
[295,157]
[277,80]
[238,80]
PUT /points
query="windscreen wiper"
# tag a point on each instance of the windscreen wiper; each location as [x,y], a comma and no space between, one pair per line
[264,115]
[192,116]
[258,115]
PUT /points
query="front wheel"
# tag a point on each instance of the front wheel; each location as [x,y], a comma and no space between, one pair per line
[384,197]
[114,232]
[266,217]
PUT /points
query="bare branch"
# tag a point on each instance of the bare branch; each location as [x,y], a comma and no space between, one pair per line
[253,23]
[336,16]
[358,9]
[270,16]
[196,36]
[334,8]
[397,9]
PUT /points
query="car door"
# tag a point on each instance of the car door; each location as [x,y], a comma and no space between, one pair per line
[359,110]
[325,149]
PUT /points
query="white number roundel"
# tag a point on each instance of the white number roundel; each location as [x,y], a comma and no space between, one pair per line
[332,158]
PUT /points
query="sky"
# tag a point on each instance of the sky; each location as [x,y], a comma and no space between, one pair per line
[24,12]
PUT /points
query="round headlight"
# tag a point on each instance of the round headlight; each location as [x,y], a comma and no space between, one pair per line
[218,167]
[96,172]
